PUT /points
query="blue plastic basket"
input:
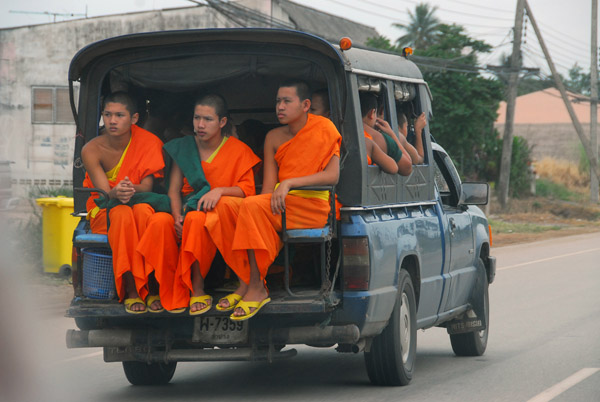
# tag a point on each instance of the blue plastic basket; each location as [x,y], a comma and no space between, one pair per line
[98,276]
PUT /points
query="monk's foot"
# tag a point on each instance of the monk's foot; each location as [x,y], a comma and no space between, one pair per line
[198,301]
[134,305]
[227,302]
[154,304]
[200,304]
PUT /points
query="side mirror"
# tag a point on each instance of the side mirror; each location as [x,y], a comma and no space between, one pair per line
[474,194]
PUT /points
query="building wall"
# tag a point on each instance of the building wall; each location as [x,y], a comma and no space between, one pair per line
[557,140]
[39,56]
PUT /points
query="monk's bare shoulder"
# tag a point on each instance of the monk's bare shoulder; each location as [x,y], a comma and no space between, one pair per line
[93,149]
[278,136]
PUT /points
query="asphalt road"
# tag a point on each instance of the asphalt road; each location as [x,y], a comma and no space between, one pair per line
[544,343]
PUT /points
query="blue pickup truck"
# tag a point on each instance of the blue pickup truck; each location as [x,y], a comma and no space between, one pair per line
[408,252]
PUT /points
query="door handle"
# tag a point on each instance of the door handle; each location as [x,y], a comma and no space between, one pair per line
[452,225]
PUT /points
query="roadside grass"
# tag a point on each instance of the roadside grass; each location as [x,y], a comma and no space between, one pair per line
[500,226]
[549,189]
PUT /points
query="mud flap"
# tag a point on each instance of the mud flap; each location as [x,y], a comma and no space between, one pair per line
[473,319]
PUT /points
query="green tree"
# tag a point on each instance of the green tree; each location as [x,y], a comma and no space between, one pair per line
[422,30]
[579,81]
[381,42]
[465,103]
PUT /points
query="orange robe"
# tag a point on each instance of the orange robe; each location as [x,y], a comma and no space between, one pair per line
[369,160]
[142,158]
[231,166]
[256,228]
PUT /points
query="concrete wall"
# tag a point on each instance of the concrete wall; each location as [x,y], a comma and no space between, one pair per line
[559,141]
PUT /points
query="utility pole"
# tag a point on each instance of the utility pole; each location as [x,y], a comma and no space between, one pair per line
[594,100]
[563,93]
[507,140]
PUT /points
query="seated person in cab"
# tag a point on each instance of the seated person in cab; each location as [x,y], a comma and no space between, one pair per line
[417,140]
[395,142]
[375,155]
[206,168]
[124,161]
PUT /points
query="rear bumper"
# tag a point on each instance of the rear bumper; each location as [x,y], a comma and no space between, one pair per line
[369,310]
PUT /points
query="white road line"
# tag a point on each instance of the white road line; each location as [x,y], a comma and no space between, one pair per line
[564,385]
[549,258]
[81,357]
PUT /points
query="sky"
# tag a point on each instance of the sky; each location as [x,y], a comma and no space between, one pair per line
[565,25]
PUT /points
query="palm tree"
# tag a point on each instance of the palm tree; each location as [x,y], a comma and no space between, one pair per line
[422,29]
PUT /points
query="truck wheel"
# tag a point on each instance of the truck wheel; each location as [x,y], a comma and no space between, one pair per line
[474,343]
[391,360]
[141,373]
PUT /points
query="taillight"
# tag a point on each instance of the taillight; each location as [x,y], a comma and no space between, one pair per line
[357,266]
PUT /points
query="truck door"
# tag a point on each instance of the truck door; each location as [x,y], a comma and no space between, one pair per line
[459,269]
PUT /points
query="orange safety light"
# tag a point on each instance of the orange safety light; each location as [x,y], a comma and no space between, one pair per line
[345,43]
[407,51]
[490,232]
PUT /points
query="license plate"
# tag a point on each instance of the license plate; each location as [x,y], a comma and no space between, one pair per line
[219,331]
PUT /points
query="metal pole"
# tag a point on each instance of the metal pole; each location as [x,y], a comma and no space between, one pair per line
[594,100]
[563,93]
[507,139]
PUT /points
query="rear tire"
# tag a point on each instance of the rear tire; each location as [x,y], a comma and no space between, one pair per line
[474,343]
[391,360]
[140,373]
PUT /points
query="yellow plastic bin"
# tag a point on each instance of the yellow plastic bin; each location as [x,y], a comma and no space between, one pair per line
[57,233]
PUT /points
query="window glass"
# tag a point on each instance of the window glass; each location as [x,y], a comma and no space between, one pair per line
[440,180]
[42,105]
[63,106]
[51,105]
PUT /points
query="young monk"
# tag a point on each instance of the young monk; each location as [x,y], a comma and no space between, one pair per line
[319,103]
[205,167]
[305,151]
[369,108]
[375,156]
[395,141]
[123,162]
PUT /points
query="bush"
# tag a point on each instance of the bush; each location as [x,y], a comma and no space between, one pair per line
[549,189]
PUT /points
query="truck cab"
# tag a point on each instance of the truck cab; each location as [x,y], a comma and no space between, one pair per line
[408,252]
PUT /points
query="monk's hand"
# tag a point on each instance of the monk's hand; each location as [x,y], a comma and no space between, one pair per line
[178,224]
[278,197]
[384,126]
[124,190]
[209,201]
[420,123]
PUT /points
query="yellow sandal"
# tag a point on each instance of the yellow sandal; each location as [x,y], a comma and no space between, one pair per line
[246,306]
[206,300]
[152,299]
[233,299]
[134,300]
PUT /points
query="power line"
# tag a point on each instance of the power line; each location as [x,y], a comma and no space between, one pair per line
[482,7]
[441,9]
